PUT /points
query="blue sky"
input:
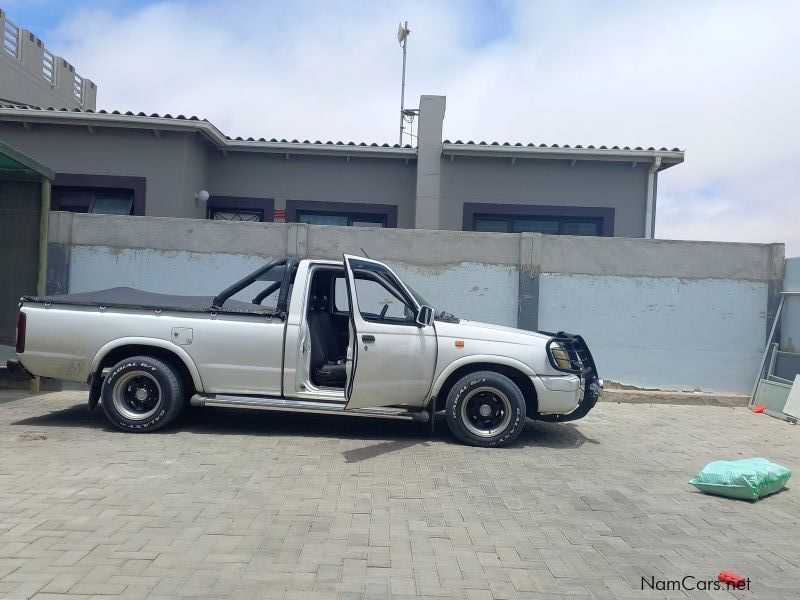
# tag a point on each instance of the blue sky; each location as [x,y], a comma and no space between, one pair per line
[718,78]
[44,16]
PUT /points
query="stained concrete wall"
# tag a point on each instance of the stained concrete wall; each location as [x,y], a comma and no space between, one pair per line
[657,314]
[661,313]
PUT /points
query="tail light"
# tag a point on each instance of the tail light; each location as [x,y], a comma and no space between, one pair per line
[21,322]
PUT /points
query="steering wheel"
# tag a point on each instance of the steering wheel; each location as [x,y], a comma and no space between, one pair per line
[383,311]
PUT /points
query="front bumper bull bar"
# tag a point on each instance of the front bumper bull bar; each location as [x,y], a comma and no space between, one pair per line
[581,363]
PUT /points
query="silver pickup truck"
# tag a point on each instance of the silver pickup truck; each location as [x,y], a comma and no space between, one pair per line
[335,337]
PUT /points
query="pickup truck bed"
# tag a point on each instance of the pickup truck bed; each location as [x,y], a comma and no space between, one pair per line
[125,297]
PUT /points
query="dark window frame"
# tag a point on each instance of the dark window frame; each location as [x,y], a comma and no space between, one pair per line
[351,217]
[111,183]
[377,272]
[488,210]
[391,288]
[242,204]
[349,209]
[561,222]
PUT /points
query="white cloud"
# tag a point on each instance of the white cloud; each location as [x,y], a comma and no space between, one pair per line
[717,78]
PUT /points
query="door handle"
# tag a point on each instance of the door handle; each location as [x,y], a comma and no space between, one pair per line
[368,339]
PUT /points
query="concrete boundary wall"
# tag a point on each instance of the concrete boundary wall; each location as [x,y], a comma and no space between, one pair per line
[662,314]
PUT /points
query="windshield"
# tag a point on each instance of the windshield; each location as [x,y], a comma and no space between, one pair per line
[423,302]
[418,297]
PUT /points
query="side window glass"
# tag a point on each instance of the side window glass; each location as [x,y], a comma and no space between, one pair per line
[379,301]
[341,303]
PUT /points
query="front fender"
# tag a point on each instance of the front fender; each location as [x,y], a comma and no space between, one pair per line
[155,342]
[475,359]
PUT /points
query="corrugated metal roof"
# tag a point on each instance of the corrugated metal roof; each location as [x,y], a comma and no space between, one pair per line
[19,106]
[24,107]
[563,146]
[156,121]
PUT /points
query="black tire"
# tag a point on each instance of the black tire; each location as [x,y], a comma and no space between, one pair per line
[142,394]
[486,409]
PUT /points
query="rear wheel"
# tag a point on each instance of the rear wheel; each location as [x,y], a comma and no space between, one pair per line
[485,409]
[142,394]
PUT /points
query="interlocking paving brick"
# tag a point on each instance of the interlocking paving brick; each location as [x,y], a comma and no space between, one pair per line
[240,505]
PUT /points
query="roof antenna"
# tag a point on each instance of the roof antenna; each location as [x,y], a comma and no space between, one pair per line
[365,253]
[402,39]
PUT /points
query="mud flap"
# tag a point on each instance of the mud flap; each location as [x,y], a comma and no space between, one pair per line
[432,418]
[95,387]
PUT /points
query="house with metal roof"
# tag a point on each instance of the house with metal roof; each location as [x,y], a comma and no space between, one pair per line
[178,166]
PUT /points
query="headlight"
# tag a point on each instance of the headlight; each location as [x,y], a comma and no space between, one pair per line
[560,356]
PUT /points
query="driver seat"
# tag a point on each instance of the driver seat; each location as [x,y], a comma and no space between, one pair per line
[328,368]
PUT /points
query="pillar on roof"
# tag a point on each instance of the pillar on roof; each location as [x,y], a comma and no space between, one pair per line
[429,156]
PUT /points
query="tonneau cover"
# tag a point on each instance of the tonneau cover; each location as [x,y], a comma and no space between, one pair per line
[125,297]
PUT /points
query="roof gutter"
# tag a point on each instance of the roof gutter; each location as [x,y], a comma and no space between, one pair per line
[649,213]
[209,131]
[667,158]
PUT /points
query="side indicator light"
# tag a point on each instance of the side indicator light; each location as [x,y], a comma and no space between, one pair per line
[459,343]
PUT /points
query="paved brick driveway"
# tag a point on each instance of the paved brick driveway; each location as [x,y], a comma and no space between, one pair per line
[247,504]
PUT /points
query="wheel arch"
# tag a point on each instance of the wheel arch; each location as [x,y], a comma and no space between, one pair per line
[122,348]
[515,370]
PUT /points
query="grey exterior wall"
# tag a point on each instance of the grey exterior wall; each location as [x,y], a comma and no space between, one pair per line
[428,188]
[314,178]
[656,313]
[547,182]
[175,164]
[196,174]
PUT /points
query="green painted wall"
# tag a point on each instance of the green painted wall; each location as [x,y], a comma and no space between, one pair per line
[20,205]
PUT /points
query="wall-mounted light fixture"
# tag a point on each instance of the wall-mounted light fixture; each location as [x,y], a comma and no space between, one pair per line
[202,196]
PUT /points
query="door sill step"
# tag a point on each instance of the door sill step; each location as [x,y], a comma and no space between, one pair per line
[307,406]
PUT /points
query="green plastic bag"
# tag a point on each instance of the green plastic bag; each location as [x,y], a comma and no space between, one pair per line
[745,479]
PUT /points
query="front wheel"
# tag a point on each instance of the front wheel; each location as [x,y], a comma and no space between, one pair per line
[142,394]
[485,409]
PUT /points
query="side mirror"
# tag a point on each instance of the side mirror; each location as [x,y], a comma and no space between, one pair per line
[424,316]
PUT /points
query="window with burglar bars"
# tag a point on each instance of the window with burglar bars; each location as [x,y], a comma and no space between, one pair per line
[252,216]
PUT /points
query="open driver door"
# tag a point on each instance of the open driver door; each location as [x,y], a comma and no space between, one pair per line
[393,349]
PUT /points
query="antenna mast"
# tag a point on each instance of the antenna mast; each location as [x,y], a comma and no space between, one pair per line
[402,38]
